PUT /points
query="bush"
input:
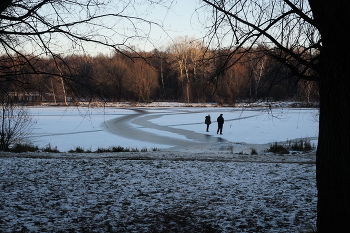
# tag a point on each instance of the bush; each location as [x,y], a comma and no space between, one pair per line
[110,149]
[127,149]
[278,149]
[118,149]
[15,124]
[48,148]
[134,150]
[144,149]
[301,145]
[103,150]
[19,148]
[78,149]
[253,152]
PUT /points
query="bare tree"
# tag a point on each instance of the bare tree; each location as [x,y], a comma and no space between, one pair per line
[291,29]
[15,123]
[142,80]
[307,91]
[52,27]
[259,68]
[186,54]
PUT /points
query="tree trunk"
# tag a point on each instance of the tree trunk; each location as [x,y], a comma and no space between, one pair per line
[187,83]
[64,92]
[333,152]
[53,92]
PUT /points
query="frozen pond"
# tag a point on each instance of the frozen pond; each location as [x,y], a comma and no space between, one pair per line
[90,128]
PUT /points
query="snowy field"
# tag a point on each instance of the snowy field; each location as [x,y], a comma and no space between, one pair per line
[197,181]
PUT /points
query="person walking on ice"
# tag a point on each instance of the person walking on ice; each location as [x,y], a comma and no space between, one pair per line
[220,121]
[207,121]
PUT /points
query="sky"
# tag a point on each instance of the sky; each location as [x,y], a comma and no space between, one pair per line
[182,18]
[171,20]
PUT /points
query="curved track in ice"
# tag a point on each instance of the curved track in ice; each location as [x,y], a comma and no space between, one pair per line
[122,126]
[143,126]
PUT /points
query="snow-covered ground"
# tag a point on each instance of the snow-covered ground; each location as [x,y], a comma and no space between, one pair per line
[197,181]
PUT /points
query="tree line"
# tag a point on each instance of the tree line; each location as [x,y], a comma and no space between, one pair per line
[186,71]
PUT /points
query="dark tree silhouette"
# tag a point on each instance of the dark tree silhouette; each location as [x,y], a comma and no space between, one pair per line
[310,39]
[51,28]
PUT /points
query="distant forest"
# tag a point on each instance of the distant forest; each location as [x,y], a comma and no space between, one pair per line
[184,72]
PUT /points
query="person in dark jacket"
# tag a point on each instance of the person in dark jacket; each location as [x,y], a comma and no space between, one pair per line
[220,121]
[207,121]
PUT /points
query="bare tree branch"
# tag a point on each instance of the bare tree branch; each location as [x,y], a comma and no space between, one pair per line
[261,29]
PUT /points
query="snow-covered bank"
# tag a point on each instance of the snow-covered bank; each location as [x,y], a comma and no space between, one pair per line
[243,104]
[212,191]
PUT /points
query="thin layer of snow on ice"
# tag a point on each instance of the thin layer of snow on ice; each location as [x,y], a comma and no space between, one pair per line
[68,128]
[248,125]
